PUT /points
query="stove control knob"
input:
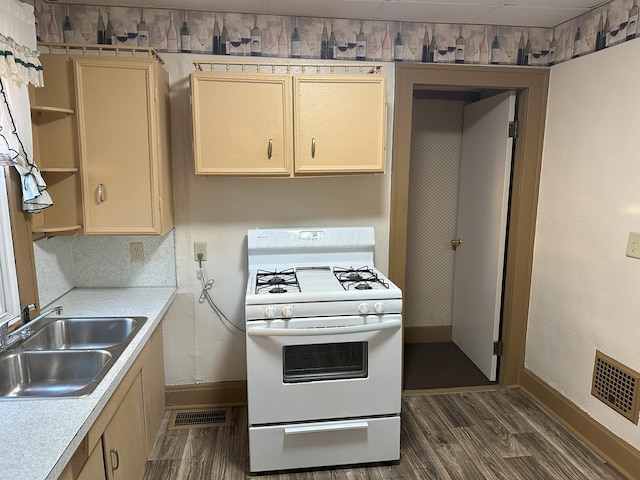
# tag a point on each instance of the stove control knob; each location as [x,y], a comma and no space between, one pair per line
[379,308]
[270,311]
[287,311]
[363,308]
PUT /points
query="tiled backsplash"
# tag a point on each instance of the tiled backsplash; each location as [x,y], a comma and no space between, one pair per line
[63,263]
[276,33]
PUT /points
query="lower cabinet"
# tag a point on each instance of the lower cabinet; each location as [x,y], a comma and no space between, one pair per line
[124,438]
[119,441]
[94,468]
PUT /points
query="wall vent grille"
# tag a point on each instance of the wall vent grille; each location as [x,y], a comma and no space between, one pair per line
[616,385]
[200,418]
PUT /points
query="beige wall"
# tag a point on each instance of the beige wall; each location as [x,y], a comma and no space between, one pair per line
[585,291]
[219,211]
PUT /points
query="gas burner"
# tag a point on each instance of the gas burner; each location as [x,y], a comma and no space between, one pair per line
[362,278]
[277,281]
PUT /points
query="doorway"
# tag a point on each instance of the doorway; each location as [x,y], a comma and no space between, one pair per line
[531,86]
[459,184]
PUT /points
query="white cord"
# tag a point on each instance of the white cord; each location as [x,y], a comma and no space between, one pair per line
[206,297]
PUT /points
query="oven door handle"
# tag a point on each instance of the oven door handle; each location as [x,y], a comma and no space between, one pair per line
[300,332]
[333,427]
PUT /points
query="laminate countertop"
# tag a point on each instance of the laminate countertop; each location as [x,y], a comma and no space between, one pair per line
[39,436]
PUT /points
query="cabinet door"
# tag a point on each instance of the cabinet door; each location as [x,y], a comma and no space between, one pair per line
[114,101]
[94,468]
[340,123]
[242,124]
[124,438]
[153,386]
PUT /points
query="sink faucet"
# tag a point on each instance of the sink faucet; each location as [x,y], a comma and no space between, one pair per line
[46,313]
[25,330]
[4,330]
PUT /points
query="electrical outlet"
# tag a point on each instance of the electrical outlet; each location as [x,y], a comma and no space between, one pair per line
[137,251]
[633,245]
[199,248]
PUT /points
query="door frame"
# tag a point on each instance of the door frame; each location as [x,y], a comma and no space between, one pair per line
[531,86]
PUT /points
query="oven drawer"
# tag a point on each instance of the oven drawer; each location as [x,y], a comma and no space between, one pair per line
[321,444]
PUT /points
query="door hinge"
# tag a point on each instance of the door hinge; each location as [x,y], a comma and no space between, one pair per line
[498,348]
[513,129]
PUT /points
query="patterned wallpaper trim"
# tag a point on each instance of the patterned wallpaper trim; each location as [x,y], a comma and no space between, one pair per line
[574,38]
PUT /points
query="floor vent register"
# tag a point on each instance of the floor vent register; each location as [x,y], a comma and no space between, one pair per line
[199,418]
[616,385]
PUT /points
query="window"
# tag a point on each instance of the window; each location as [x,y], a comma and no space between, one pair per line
[327,361]
[9,300]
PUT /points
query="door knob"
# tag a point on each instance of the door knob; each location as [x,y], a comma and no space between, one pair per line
[455,243]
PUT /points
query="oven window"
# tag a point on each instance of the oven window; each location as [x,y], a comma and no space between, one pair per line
[326,361]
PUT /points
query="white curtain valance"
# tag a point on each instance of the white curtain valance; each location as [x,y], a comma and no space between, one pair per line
[19,66]
[18,44]
[19,63]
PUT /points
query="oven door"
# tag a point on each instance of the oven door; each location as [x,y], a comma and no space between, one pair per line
[323,368]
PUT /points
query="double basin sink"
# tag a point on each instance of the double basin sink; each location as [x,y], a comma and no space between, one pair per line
[65,357]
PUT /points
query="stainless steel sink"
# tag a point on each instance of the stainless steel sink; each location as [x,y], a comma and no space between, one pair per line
[52,373]
[83,333]
[63,357]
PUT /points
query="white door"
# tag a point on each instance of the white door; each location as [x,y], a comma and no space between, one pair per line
[482,221]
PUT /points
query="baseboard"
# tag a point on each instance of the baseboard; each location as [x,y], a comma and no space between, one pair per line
[622,456]
[437,334]
[206,394]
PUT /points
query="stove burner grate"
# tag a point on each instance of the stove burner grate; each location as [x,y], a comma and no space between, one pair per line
[362,278]
[277,281]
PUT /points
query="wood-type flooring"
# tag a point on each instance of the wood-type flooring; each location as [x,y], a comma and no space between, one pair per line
[497,434]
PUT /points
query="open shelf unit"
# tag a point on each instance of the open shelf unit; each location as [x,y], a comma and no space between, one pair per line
[53,118]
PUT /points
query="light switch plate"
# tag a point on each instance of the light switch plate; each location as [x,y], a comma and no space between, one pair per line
[633,245]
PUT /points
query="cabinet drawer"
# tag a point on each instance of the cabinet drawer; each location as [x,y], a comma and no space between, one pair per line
[320,444]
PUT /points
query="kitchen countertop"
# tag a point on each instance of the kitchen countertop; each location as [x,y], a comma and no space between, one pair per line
[39,436]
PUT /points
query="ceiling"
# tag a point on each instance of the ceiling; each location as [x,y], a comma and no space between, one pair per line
[531,13]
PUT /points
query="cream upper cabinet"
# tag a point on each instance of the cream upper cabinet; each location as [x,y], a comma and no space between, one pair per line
[340,123]
[284,125]
[124,136]
[242,124]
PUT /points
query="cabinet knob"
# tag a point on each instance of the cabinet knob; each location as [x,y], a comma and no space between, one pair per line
[114,454]
[100,193]
[313,148]
[270,149]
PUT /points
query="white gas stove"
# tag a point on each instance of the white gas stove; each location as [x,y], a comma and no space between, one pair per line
[323,350]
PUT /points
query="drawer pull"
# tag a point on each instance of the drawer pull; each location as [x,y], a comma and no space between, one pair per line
[313,148]
[113,452]
[318,428]
[100,193]
[270,148]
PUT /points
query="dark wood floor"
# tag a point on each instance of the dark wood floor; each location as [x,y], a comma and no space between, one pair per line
[498,434]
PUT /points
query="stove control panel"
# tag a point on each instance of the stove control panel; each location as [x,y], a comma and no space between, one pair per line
[323,309]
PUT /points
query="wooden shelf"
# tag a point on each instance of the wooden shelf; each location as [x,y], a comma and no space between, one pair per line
[43,114]
[59,170]
[55,228]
